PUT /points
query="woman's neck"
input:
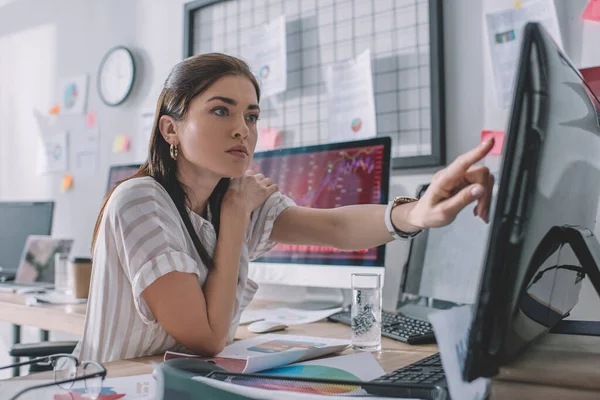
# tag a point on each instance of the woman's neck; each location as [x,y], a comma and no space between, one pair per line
[198,185]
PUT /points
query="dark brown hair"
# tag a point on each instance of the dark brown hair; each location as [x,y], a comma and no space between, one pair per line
[188,79]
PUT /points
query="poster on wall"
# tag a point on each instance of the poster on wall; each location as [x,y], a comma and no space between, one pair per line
[145,125]
[267,56]
[54,153]
[350,99]
[72,94]
[505,33]
[85,150]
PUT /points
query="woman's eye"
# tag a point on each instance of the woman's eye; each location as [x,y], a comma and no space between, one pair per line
[221,111]
[252,118]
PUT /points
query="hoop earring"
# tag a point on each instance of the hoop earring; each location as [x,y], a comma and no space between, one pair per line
[174,151]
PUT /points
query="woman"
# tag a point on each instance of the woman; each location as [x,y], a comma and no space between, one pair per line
[172,244]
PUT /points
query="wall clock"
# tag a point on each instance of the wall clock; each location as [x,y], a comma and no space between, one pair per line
[115,76]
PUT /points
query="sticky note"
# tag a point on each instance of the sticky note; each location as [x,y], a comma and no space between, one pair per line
[67,183]
[517,4]
[592,11]
[54,110]
[90,119]
[498,140]
[121,144]
[270,138]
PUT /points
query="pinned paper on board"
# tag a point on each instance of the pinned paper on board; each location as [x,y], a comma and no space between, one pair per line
[145,125]
[55,110]
[350,99]
[270,138]
[592,11]
[90,119]
[54,153]
[67,183]
[72,94]
[85,147]
[505,34]
[498,137]
[121,144]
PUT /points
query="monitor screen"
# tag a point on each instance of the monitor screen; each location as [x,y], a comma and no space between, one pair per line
[550,177]
[18,220]
[118,173]
[329,176]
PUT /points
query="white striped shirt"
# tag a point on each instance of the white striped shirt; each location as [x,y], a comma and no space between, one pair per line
[142,237]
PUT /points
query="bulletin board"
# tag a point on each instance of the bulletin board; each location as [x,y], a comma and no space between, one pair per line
[405,40]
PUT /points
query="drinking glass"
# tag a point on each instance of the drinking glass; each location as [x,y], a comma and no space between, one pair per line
[366,312]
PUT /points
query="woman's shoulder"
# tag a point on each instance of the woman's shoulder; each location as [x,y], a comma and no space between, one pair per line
[136,190]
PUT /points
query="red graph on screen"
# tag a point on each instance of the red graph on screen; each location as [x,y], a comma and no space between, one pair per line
[326,179]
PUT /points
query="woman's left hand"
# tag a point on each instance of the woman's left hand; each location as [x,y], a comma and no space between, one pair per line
[455,187]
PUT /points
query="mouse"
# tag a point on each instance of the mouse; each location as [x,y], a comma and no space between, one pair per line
[266,326]
[195,366]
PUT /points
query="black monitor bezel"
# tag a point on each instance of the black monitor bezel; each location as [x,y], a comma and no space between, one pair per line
[385,182]
[116,168]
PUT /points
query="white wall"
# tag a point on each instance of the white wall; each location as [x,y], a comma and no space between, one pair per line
[77,33]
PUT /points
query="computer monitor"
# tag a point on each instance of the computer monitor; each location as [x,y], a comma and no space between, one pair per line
[325,176]
[550,182]
[117,173]
[19,220]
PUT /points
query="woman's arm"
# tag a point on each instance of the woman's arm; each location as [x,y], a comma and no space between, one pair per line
[200,318]
[362,226]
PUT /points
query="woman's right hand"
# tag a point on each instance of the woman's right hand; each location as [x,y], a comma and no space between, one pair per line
[248,192]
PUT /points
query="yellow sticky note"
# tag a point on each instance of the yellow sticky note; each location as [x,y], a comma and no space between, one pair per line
[517,4]
[54,110]
[67,183]
[121,144]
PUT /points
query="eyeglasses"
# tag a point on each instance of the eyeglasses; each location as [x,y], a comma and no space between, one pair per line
[66,373]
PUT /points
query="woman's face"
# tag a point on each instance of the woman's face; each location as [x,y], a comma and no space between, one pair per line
[219,133]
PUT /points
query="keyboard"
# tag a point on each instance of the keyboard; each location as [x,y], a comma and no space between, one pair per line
[397,327]
[427,371]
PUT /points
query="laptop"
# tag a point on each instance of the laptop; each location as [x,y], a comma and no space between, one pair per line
[36,266]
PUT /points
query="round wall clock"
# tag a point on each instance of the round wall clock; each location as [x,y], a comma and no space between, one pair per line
[115,76]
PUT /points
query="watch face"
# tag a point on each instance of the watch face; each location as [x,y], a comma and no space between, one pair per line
[116,75]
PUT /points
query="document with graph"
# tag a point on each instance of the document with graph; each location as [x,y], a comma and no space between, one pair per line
[270,351]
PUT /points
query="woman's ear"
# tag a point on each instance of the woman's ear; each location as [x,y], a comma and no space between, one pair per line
[168,129]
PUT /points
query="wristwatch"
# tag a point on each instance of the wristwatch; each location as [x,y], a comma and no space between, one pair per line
[398,234]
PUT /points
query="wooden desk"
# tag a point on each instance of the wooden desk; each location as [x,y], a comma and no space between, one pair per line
[393,355]
[71,319]
[65,318]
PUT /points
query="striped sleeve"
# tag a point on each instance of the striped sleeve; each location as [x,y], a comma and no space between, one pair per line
[149,237]
[261,224]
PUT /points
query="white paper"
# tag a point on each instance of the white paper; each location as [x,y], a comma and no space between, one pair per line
[451,329]
[505,34]
[146,123]
[286,315]
[54,153]
[72,94]
[350,99]
[254,350]
[126,388]
[358,366]
[52,297]
[264,394]
[85,149]
[266,53]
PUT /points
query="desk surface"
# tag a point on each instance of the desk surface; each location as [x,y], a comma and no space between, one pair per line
[71,319]
[63,318]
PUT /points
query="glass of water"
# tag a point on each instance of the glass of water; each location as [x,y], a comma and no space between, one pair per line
[366,312]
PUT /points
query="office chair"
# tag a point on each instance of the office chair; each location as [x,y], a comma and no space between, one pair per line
[41,349]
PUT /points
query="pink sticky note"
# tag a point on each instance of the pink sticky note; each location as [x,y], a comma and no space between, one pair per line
[592,11]
[498,140]
[270,138]
[126,142]
[90,119]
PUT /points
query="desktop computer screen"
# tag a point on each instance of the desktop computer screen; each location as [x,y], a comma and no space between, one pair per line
[19,220]
[324,176]
[550,179]
[117,173]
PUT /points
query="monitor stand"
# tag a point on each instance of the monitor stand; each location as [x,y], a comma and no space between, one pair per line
[317,298]
[420,307]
